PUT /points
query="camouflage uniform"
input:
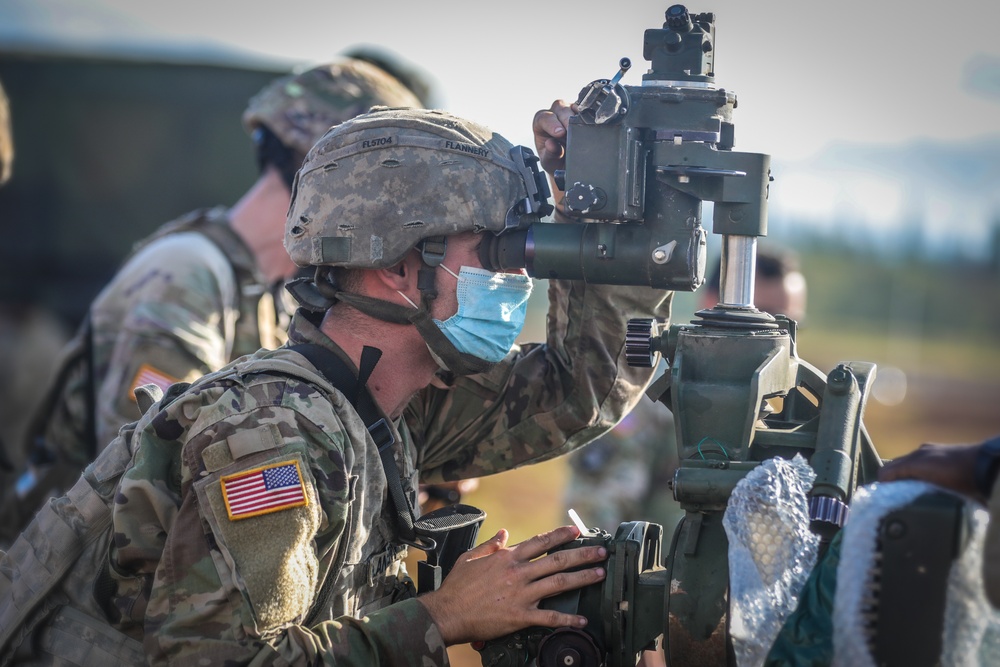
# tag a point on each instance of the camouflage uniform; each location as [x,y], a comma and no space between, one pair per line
[624,475]
[192,584]
[190,570]
[188,301]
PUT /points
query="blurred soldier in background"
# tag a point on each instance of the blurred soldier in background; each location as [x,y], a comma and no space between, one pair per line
[200,292]
[624,475]
[420,82]
[29,338]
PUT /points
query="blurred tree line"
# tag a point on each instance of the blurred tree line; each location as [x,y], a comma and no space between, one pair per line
[910,292]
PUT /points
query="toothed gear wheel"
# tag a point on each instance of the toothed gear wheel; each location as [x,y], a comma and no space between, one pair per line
[639,343]
[830,510]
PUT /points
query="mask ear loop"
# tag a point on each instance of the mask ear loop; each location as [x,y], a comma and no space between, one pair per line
[432,252]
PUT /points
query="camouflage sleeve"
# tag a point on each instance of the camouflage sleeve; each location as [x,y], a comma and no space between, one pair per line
[218,570]
[401,634]
[543,400]
[163,319]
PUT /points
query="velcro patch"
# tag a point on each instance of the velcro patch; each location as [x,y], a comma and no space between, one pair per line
[264,490]
[149,375]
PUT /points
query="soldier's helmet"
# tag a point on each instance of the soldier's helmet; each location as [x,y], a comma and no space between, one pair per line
[6,139]
[299,108]
[420,81]
[374,187]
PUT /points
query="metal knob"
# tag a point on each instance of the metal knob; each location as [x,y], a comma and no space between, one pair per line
[583,197]
[678,18]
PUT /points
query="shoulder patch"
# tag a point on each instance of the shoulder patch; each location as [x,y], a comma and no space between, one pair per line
[149,375]
[271,488]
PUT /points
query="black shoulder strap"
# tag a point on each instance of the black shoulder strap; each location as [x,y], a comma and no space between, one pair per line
[355,389]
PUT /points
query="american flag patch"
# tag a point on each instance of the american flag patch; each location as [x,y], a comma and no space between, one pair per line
[264,490]
[149,375]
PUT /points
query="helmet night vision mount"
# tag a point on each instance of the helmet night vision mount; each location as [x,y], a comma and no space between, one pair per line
[640,160]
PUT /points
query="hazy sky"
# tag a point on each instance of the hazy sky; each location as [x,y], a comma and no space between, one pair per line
[805,73]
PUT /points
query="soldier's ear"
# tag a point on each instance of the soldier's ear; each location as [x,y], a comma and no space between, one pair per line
[401,276]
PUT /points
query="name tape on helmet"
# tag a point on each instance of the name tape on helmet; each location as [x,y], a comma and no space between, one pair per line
[446,145]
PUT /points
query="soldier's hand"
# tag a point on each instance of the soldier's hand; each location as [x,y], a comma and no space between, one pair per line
[950,466]
[549,127]
[494,589]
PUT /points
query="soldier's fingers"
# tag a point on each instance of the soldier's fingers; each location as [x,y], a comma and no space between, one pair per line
[563,111]
[565,581]
[547,618]
[896,473]
[566,559]
[550,618]
[490,546]
[534,547]
[552,154]
[552,122]
[552,126]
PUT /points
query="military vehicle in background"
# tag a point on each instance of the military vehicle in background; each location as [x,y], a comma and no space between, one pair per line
[117,129]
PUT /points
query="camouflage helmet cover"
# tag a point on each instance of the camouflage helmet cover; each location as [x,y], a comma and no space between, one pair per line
[373,187]
[299,108]
[6,140]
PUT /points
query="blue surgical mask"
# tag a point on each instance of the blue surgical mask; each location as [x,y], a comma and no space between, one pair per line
[491,312]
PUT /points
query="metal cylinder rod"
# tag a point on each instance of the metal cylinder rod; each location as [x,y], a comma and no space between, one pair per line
[738,267]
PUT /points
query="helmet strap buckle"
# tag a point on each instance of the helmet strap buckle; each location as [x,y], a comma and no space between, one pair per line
[432,252]
[433,249]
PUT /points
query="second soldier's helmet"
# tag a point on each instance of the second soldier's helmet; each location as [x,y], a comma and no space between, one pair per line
[299,108]
[374,187]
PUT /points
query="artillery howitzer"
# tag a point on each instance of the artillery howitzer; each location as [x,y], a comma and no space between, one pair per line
[640,160]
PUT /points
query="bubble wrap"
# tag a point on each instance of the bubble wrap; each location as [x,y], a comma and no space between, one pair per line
[971,626]
[771,552]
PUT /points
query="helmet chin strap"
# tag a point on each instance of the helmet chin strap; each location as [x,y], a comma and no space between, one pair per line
[319,294]
[441,347]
